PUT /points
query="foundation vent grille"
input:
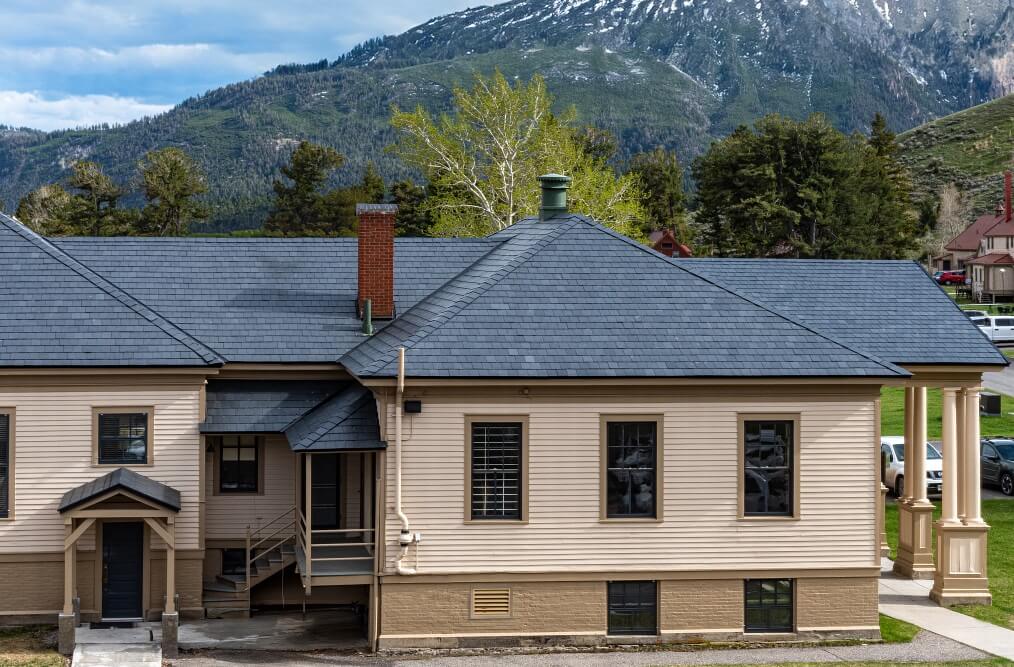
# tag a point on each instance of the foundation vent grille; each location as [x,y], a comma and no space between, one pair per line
[487,602]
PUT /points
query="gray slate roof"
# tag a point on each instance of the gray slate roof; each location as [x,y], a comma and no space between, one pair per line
[257,406]
[888,308]
[122,478]
[570,298]
[58,312]
[346,421]
[267,300]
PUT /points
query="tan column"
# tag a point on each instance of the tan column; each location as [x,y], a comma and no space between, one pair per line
[949,443]
[909,427]
[170,568]
[69,556]
[959,469]
[972,476]
[917,482]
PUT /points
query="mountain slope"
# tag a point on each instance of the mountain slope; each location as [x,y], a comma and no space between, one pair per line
[677,73]
[970,148]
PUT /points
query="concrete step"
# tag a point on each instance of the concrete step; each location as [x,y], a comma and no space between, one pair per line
[117,655]
[225,600]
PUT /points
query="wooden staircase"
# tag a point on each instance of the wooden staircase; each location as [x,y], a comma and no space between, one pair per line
[266,555]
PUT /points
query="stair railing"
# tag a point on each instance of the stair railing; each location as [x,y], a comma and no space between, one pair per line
[255,538]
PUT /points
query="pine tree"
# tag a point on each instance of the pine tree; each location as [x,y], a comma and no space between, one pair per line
[171,181]
[664,198]
[301,208]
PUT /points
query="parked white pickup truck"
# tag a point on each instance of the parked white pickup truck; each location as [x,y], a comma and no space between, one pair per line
[997,328]
[893,449]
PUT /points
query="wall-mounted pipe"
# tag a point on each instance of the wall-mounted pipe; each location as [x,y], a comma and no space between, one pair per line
[405,538]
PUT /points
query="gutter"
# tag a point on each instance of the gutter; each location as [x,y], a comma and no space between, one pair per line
[405,538]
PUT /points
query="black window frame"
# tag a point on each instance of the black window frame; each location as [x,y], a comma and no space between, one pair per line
[769,606]
[251,465]
[6,456]
[622,442]
[105,441]
[626,600]
[498,470]
[751,473]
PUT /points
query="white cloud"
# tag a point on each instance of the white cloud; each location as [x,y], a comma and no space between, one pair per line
[134,58]
[30,109]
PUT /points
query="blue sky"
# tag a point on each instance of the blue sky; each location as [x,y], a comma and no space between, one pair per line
[80,62]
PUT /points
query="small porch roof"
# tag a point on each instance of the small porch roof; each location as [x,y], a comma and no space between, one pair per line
[348,421]
[258,406]
[125,480]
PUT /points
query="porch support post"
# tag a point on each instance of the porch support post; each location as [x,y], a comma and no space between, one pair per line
[67,618]
[958,471]
[883,549]
[170,616]
[961,576]
[915,549]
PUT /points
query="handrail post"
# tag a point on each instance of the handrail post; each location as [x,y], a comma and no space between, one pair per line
[248,563]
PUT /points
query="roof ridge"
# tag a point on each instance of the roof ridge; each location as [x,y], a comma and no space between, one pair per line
[206,353]
[669,260]
[447,313]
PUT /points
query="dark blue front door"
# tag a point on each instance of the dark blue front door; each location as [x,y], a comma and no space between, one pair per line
[122,569]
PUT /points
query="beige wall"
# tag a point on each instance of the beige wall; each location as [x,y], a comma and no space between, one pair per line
[227,515]
[53,451]
[699,531]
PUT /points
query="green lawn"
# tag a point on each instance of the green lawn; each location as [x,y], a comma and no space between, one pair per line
[998,662]
[999,514]
[894,631]
[892,414]
[29,647]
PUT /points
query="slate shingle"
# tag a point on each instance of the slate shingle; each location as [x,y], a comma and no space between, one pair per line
[58,312]
[346,421]
[569,298]
[259,406]
[126,479]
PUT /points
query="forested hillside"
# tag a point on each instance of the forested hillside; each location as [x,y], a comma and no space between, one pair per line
[654,72]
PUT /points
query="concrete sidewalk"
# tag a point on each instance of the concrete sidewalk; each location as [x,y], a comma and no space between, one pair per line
[119,647]
[908,600]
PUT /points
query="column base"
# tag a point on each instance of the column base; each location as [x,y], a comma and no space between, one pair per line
[170,635]
[962,577]
[885,548]
[915,546]
[66,635]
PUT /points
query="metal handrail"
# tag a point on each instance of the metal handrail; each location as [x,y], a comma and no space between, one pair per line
[250,545]
[324,531]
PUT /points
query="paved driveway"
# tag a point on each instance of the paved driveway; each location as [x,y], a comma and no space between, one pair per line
[1002,381]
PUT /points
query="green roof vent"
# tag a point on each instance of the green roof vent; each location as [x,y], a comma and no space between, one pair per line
[554,195]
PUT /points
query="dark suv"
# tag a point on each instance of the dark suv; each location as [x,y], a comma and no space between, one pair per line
[998,463]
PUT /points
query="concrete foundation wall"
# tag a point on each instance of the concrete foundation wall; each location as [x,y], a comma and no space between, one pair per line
[439,614]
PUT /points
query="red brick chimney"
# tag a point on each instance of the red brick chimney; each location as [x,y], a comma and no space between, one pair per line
[376,258]
[1007,196]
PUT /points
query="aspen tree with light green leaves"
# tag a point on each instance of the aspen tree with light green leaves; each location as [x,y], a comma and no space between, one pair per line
[483,160]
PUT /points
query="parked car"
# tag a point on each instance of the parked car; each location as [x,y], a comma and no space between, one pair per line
[975,313]
[952,278]
[892,448]
[937,274]
[997,329]
[998,464]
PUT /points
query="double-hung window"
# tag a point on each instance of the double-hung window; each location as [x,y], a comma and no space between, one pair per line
[239,463]
[6,464]
[631,456]
[123,436]
[496,470]
[769,453]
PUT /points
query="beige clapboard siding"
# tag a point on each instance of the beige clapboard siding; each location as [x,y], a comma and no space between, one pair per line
[227,516]
[700,529]
[53,451]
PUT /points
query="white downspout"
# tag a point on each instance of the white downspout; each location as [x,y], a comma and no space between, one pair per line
[405,539]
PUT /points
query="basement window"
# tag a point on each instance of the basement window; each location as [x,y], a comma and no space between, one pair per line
[769,605]
[633,608]
[234,561]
